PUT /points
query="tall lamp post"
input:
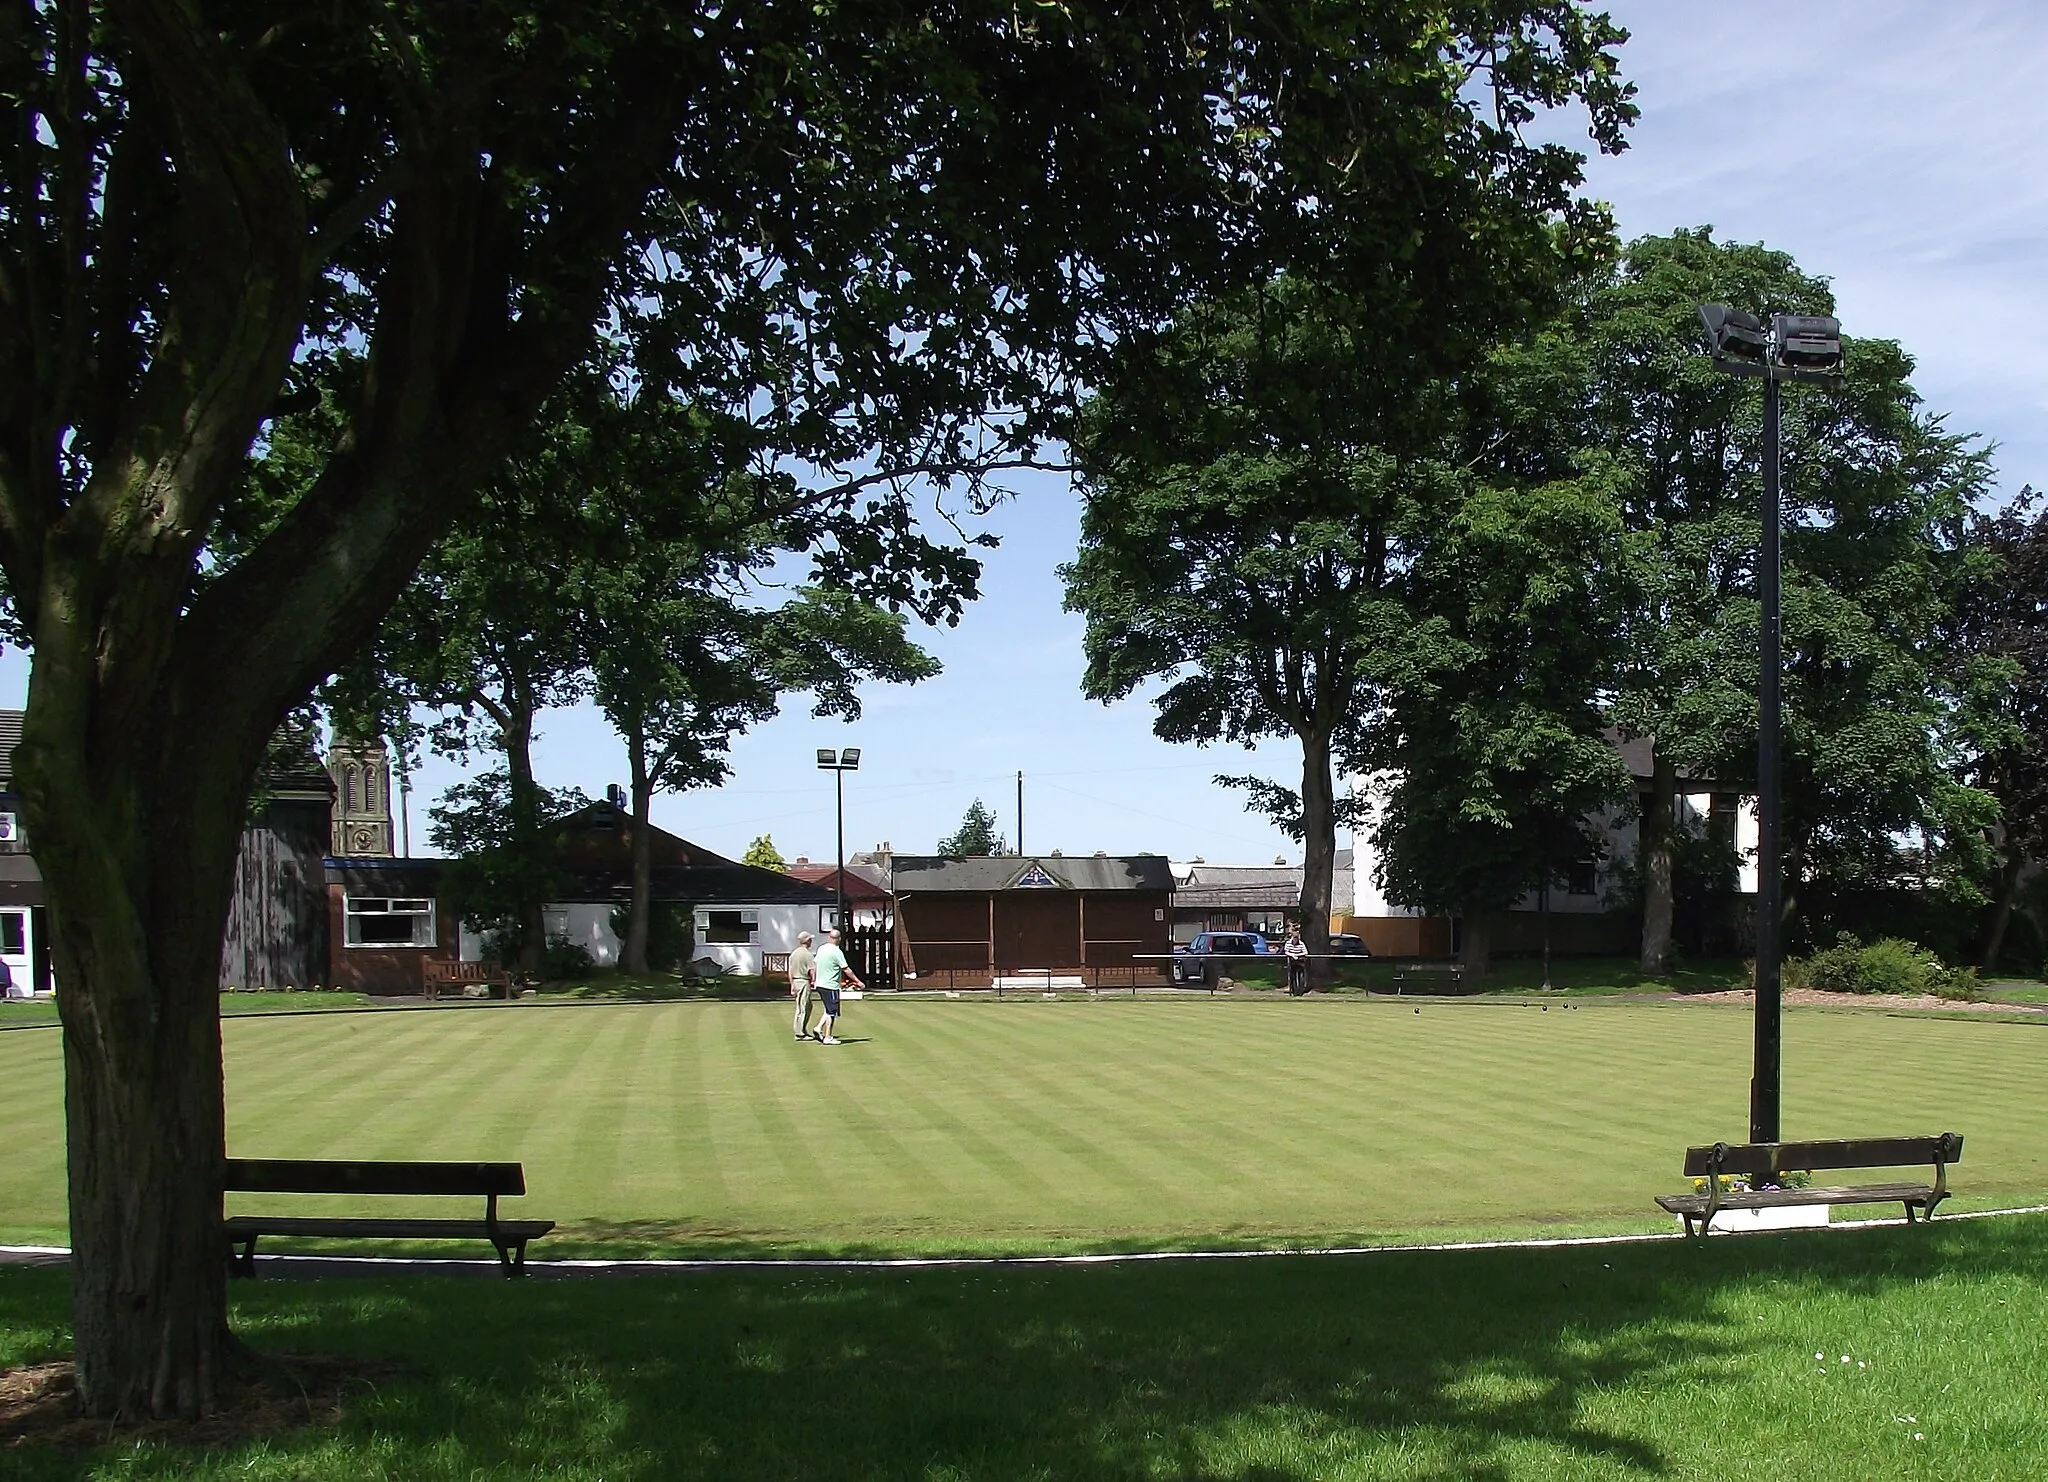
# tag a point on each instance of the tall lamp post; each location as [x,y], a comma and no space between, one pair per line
[839,764]
[1797,347]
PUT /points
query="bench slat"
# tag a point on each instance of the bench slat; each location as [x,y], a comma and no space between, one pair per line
[1696,1204]
[395,1229]
[1865,1152]
[308,1176]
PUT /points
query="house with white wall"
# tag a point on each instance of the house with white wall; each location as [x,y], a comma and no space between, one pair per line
[741,913]
[1585,906]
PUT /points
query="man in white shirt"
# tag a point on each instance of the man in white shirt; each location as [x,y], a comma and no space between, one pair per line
[834,975]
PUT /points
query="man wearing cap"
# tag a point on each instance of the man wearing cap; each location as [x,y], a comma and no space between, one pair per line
[803,982]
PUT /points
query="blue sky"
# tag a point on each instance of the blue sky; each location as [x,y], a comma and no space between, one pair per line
[1893,147]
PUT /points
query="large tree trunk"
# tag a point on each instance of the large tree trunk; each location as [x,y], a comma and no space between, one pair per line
[1659,845]
[151,697]
[1319,852]
[516,736]
[135,833]
[1475,953]
[641,901]
[2001,915]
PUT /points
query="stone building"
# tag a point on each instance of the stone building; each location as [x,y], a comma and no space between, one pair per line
[362,801]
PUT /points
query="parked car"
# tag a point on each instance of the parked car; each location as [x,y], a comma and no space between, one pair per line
[1196,962]
[1347,944]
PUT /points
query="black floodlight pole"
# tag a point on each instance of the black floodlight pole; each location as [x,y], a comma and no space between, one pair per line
[1765,1074]
[839,764]
[1800,347]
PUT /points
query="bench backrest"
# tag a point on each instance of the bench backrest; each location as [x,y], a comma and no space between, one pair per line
[441,970]
[311,1176]
[1855,1152]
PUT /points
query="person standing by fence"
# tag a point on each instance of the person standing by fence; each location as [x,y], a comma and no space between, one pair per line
[834,976]
[1296,952]
[803,982]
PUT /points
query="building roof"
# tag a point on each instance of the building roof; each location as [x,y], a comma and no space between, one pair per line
[859,886]
[985,874]
[597,867]
[382,876]
[1221,886]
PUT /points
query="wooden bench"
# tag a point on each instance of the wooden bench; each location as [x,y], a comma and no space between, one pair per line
[441,973]
[775,965]
[301,1176]
[1770,1161]
[1455,971]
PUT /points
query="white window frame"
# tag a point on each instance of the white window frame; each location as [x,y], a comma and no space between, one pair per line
[749,919]
[359,908]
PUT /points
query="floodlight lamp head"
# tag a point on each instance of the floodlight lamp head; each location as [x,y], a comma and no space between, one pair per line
[1733,334]
[850,757]
[1809,341]
[827,757]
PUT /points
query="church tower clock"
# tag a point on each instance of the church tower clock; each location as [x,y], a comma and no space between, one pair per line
[362,799]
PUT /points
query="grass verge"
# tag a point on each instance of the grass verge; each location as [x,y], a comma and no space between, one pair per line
[1895,1353]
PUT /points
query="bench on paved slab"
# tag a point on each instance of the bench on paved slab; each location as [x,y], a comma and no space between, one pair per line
[1763,1164]
[440,972]
[489,1181]
[1409,971]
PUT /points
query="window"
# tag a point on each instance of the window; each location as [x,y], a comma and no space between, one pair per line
[731,926]
[13,933]
[386,921]
[1580,878]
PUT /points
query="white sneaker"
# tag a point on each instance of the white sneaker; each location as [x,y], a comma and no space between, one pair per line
[828,1040]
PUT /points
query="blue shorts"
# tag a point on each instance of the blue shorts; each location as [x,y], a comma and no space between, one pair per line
[831,997]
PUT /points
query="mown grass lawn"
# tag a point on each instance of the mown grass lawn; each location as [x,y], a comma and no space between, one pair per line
[1891,1353]
[41,1011]
[1045,1126]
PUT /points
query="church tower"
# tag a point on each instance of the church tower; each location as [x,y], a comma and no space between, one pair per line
[362,799]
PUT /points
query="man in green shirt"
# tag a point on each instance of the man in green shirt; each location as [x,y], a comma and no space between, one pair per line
[803,982]
[833,975]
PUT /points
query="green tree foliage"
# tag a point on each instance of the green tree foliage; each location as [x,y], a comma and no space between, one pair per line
[763,854]
[1259,479]
[214,213]
[1876,492]
[501,863]
[614,556]
[2005,617]
[1491,739]
[977,834]
[679,530]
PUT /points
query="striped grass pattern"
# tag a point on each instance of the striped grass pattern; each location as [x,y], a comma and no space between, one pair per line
[977,1126]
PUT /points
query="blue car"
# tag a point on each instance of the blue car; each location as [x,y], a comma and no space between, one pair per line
[1198,960]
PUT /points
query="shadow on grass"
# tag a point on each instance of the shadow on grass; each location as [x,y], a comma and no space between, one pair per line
[1475,1365]
[660,988]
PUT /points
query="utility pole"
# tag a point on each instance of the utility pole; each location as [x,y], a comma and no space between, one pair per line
[1020,812]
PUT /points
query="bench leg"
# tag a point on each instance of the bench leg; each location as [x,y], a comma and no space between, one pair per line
[242,1256]
[512,1256]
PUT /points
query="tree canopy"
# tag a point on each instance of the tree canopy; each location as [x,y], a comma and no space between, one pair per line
[216,211]
[763,854]
[1877,692]
[978,833]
